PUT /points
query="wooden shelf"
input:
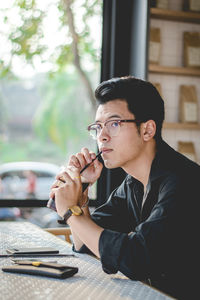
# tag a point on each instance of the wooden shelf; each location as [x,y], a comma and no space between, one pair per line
[174,70]
[174,15]
[186,126]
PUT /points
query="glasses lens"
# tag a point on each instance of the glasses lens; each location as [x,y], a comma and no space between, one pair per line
[113,127]
[93,131]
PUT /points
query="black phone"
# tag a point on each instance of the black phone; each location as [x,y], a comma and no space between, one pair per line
[34,250]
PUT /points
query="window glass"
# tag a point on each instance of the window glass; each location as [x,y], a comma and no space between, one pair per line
[49,68]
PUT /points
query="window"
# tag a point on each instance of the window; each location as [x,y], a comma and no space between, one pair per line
[49,68]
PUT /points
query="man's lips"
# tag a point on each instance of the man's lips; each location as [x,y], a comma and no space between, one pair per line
[106,150]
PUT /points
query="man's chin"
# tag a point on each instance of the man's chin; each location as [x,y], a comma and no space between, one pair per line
[110,165]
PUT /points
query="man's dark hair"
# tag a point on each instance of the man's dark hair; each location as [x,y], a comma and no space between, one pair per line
[143,99]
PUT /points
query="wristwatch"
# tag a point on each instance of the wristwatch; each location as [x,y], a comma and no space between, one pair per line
[72,211]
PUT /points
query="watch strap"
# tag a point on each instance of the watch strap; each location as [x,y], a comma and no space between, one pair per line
[65,217]
[71,211]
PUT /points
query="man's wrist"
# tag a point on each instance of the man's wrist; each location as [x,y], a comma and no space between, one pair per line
[72,211]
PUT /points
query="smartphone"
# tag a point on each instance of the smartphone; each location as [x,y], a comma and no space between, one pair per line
[35,250]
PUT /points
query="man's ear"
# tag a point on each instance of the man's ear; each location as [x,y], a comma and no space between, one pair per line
[149,130]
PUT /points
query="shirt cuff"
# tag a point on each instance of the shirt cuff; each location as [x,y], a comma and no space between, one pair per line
[110,244]
[83,249]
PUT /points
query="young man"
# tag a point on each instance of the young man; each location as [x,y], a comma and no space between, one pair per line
[147,229]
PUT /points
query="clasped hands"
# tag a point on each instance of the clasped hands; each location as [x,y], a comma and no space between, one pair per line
[67,189]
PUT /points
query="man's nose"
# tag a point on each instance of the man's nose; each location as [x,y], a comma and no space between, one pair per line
[103,135]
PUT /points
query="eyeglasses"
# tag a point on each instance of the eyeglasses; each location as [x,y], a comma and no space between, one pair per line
[112,127]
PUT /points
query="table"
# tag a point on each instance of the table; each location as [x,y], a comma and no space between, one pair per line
[89,283]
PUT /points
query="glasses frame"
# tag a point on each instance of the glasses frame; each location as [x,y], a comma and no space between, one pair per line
[117,120]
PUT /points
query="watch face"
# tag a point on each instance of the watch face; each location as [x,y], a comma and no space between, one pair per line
[76,210]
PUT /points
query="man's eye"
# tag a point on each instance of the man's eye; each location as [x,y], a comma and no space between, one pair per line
[98,127]
[115,124]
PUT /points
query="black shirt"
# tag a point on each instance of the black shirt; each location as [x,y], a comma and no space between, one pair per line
[157,240]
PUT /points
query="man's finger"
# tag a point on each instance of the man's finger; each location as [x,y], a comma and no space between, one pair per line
[74,161]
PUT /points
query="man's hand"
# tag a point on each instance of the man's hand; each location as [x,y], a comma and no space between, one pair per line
[67,193]
[81,159]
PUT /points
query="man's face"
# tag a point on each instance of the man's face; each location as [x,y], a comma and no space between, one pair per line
[125,148]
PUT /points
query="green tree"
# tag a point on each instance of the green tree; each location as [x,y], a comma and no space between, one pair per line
[26,41]
[58,118]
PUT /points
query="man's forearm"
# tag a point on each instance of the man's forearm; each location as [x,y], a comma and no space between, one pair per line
[87,231]
[76,240]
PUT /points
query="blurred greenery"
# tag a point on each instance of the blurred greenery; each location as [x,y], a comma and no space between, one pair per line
[64,111]
[3,113]
[25,38]
[34,150]
[66,106]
